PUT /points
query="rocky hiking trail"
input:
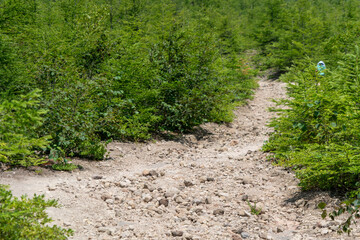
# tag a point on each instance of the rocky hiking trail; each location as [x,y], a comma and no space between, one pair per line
[198,187]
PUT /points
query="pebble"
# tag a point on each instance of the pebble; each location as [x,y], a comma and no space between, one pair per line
[126,234]
[153,173]
[177,233]
[197,202]
[237,231]
[325,231]
[147,197]
[246,180]
[236,237]
[123,184]
[171,192]
[261,206]
[97,177]
[150,187]
[188,183]
[245,235]
[244,213]
[179,199]
[105,196]
[164,202]
[219,211]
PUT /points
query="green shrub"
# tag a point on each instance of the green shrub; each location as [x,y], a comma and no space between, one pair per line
[122,70]
[26,218]
[317,134]
[19,120]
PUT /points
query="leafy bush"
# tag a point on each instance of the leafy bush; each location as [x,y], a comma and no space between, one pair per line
[317,133]
[26,218]
[19,120]
[122,70]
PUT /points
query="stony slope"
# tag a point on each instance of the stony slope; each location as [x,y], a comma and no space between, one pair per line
[200,186]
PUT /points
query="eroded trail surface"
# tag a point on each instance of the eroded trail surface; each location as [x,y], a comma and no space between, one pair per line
[198,187]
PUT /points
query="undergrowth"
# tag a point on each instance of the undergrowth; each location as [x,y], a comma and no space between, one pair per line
[318,130]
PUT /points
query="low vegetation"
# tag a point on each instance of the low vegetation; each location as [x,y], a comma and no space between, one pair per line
[76,75]
[26,218]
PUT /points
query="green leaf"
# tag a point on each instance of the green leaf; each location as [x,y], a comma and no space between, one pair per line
[322,205]
[323,214]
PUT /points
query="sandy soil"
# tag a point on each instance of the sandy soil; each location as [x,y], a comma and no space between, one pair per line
[199,186]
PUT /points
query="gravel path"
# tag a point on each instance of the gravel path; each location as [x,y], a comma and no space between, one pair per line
[198,187]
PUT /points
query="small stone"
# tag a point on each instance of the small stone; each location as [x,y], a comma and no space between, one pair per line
[197,202]
[106,196]
[236,237]
[245,197]
[146,173]
[123,184]
[199,211]
[210,179]
[164,202]
[179,199]
[150,187]
[107,230]
[246,180]
[242,213]
[51,188]
[188,183]
[126,234]
[219,211]
[263,235]
[208,200]
[261,206]
[171,192]
[177,233]
[153,173]
[147,197]
[97,177]
[118,213]
[245,235]
[324,231]
[269,237]
[66,224]
[132,204]
[188,237]
[203,179]
[279,229]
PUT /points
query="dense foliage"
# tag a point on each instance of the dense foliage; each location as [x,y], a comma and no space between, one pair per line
[317,133]
[119,69]
[128,69]
[19,121]
[26,218]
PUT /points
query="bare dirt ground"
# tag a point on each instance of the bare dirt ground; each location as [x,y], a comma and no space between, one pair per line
[200,186]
